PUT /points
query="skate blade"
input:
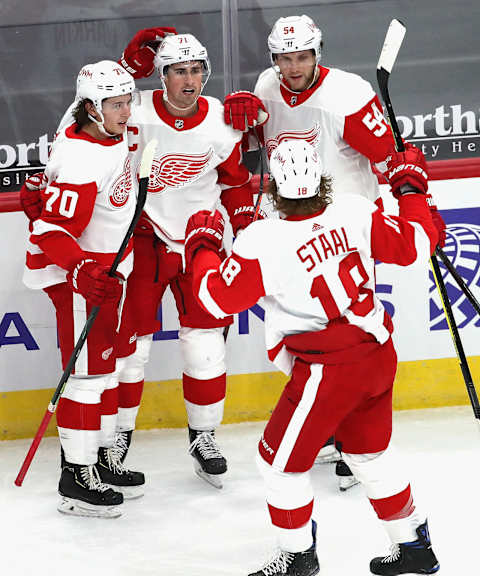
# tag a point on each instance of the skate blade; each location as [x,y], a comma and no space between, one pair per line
[129,492]
[327,459]
[328,455]
[73,507]
[214,480]
[346,482]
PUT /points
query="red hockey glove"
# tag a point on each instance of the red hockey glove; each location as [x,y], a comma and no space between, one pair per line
[91,280]
[137,58]
[438,221]
[243,216]
[204,230]
[244,110]
[407,171]
[30,198]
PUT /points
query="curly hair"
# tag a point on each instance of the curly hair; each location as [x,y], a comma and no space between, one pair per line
[304,206]
[80,114]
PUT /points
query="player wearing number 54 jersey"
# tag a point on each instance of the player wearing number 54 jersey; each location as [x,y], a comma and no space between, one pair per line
[335,111]
[328,331]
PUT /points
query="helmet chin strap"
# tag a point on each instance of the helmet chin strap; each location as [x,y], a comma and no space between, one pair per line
[165,94]
[165,97]
[100,124]
[283,83]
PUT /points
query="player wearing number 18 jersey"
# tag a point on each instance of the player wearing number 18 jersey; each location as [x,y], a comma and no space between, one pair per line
[328,331]
[335,111]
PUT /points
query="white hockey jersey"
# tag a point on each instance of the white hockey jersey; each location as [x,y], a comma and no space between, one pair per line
[318,271]
[90,197]
[340,115]
[196,158]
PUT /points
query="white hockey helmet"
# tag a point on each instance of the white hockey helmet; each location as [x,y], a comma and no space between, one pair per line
[177,48]
[104,79]
[293,34]
[296,168]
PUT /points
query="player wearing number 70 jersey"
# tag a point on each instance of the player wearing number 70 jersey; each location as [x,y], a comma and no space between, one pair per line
[328,331]
[87,199]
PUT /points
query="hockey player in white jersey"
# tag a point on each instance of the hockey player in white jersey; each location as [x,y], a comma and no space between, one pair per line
[197,164]
[327,330]
[336,111]
[85,210]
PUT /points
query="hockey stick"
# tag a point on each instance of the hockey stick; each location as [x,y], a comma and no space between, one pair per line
[453,271]
[145,167]
[391,46]
[262,173]
[257,203]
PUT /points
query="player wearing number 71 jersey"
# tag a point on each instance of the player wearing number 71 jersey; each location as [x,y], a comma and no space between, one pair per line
[329,332]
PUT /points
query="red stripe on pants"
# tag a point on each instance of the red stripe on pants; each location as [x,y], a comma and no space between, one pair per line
[109,401]
[291,519]
[130,394]
[394,507]
[78,416]
[204,392]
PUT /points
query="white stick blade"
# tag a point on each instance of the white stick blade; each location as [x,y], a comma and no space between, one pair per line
[147,158]
[391,46]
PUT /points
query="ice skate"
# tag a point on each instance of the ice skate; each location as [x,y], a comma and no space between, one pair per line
[328,453]
[293,563]
[209,463]
[415,557]
[345,477]
[113,472]
[84,494]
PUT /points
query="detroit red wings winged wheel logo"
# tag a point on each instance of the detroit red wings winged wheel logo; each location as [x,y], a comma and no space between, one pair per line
[120,191]
[311,136]
[176,170]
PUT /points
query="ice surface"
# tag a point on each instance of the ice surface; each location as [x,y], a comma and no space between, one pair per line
[184,527]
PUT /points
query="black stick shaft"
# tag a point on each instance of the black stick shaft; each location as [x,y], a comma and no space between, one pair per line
[459,280]
[467,376]
[383,77]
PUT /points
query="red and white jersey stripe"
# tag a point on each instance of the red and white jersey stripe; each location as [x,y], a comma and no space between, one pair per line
[196,159]
[90,198]
[318,271]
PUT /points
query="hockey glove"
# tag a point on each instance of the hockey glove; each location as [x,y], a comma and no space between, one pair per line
[243,216]
[137,58]
[407,171]
[204,230]
[437,220]
[244,110]
[90,279]
[30,197]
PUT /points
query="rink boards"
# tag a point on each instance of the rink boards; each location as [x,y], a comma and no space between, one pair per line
[428,373]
